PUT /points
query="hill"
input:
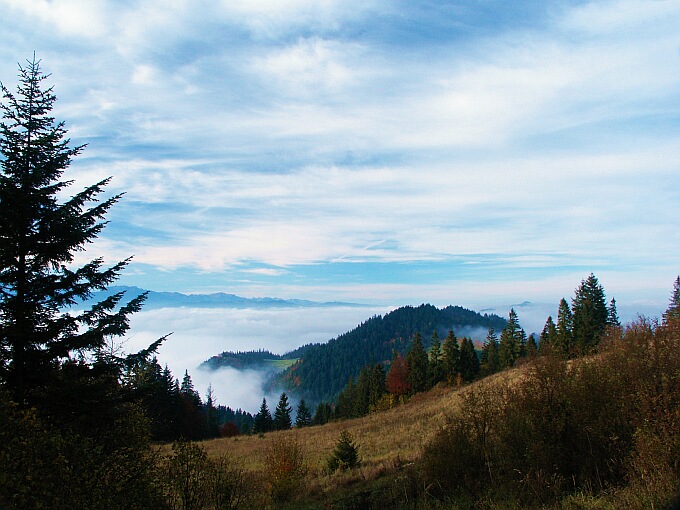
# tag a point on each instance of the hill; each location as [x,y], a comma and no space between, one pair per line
[324,369]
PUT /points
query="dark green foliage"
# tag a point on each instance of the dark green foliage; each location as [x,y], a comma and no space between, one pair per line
[451,357]
[613,315]
[324,369]
[323,414]
[548,339]
[590,315]
[490,360]
[282,420]
[510,345]
[263,421]
[43,466]
[436,370]
[303,417]
[416,360]
[469,362]
[673,310]
[345,455]
[57,367]
[564,343]
[359,399]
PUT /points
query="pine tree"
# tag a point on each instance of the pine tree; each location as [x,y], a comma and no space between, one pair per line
[263,421]
[673,310]
[565,324]
[436,364]
[469,362]
[212,425]
[303,417]
[416,359]
[450,357]
[57,362]
[613,315]
[510,345]
[590,315]
[282,420]
[490,362]
[548,338]
[346,454]
[531,346]
[39,237]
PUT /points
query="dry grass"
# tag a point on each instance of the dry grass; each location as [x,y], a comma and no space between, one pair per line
[386,440]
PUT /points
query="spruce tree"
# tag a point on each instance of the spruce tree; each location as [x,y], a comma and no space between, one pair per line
[548,337]
[303,417]
[564,343]
[416,359]
[282,420]
[510,345]
[673,310]
[490,363]
[590,315]
[450,357]
[263,421]
[59,362]
[40,234]
[613,315]
[436,364]
[469,362]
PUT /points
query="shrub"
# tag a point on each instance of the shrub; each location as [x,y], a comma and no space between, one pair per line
[285,469]
[345,455]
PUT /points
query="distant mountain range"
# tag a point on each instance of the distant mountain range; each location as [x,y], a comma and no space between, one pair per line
[157,300]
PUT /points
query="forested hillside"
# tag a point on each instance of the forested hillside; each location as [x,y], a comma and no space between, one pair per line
[323,369]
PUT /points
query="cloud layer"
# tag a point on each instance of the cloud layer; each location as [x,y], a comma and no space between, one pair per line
[374,151]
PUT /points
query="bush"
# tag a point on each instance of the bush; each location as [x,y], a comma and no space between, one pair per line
[285,469]
[345,455]
[195,482]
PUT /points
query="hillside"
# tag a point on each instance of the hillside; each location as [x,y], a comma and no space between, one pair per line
[324,369]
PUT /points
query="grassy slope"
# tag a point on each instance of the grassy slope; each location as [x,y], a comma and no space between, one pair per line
[387,439]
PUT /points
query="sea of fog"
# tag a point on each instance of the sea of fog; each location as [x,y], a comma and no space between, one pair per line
[199,333]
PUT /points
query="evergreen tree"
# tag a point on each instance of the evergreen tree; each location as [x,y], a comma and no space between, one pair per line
[590,315]
[40,236]
[510,345]
[282,420]
[303,417]
[469,362]
[548,338]
[613,315]
[490,362]
[565,324]
[323,414]
[377,385]
[212,425]
[263,421]
[346,454]
[450,357]
[188,391]
[673,310]
[59,364]
[531,346]
[436,364]
[416,359]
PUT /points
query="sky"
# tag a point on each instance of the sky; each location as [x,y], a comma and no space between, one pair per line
[387,152]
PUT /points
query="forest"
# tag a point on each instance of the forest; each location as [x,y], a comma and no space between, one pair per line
[587,415]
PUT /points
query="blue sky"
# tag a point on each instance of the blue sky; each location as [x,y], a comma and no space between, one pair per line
[386,152]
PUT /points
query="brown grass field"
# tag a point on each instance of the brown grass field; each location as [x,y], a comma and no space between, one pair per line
[386,439]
